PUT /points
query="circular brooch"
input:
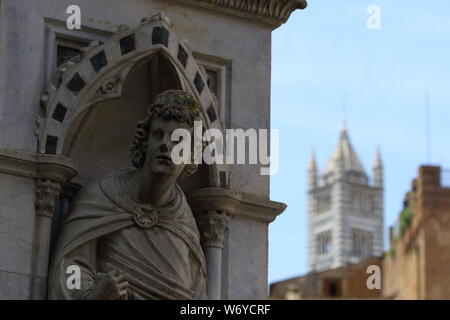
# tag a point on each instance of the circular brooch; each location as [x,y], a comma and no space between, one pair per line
[145,216]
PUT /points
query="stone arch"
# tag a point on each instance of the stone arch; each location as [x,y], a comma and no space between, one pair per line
[100,76]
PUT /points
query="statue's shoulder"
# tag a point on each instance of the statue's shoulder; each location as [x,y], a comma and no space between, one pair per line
[89,190]
[98,188]
[111,185]
[96,198]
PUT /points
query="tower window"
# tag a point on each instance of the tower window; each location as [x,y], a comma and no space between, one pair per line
[324,242]
[323,202]
[362,200]
[361,243]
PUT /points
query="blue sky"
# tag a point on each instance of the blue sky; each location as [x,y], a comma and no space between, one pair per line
[326,52]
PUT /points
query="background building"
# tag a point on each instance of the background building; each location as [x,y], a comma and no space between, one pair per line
[417,266]
[345,210]
[346,282]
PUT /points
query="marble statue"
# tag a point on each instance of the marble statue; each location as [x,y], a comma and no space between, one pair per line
[131,232]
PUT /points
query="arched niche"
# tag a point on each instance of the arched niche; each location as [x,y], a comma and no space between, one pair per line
[104,131]
[93,106]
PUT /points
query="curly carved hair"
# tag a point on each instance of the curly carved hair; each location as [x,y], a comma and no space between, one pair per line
[174,105]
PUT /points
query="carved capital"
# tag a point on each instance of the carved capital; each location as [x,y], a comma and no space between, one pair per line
[46,194]
[212,226]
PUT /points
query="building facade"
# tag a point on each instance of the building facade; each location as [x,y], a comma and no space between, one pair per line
[345,210]
[70,100]
[346,282]
[417,265]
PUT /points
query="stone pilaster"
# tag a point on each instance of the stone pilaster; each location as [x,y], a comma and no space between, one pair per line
[46,193]
[312,212]
[212,208]
[212,225]
[378,197]
[219,209]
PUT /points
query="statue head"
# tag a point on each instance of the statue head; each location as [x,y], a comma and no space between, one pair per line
[152,145]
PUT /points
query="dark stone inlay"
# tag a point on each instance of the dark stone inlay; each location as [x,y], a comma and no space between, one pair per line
[160,36]
[76,84]
[211,113]
[223,179]
[51,144]
[182,56]
[99,61]
[127,44]
[59,113]
[198,82]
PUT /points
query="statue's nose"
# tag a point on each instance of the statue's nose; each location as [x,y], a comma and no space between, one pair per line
[163,148]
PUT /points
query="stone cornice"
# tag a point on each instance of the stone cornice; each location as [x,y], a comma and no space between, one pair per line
[36,165]
[258,208]
[235,203]
[271,12]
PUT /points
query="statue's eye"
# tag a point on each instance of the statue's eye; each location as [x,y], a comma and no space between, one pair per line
[158,133]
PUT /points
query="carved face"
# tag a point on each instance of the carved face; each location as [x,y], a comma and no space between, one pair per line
[159,148]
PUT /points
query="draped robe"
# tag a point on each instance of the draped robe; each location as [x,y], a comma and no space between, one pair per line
[100,234]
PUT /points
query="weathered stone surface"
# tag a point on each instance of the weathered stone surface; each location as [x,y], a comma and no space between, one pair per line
[16,223]
[241,264]
[14,286]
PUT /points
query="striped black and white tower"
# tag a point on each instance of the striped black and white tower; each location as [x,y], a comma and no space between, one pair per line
[345,210]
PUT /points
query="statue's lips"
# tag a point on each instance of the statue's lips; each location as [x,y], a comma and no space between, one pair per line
[163,158]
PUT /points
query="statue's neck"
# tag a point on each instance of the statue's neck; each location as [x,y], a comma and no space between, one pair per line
[148,188]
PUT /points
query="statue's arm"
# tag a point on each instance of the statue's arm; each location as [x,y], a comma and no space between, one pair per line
[95,285]
[84,257]
[199,280]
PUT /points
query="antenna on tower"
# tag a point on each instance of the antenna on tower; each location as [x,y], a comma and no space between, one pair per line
[427,126]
